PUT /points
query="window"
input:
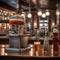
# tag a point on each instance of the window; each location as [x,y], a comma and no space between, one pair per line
[43,23]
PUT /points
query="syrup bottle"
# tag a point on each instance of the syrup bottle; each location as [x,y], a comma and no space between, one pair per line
[55,41]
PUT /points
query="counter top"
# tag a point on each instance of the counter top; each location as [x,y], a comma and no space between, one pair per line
[26,54]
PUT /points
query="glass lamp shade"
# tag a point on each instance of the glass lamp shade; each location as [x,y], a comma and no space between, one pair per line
[47,13]
[43,15]
[53,24]
[39,13]
[57,12]
[29,15]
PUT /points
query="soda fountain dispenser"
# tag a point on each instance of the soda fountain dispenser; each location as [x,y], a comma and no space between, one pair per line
[15,39]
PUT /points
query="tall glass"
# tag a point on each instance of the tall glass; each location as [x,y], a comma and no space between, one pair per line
[37,47]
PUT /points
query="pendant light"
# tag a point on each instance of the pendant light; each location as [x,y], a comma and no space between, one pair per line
[39,13]
[43,15]
[47,13]
[29,15]
[57,10]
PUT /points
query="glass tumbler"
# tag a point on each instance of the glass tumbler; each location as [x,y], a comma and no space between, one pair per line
[37,47]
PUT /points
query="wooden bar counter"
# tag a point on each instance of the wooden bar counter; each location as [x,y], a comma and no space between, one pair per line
[27,54]
[4,40]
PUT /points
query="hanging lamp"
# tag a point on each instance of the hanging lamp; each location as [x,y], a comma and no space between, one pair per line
[29,15]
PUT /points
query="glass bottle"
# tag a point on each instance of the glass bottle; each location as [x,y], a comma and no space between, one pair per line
[55,40]
[46,43]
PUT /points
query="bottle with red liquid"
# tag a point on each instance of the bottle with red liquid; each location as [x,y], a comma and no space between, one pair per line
[55,41]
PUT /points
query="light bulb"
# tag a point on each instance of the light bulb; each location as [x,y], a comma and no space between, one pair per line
[47,13]
[53,24]
[35,24]
[43,15]
[57,12]
[29,15]
[39,13]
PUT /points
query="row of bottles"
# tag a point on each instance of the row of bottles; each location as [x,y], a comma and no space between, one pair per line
[46,43]
[5,15]
[4,28]
[7,18]
[55,42]
[4,21]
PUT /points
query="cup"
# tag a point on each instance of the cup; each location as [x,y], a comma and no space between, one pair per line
[37,47]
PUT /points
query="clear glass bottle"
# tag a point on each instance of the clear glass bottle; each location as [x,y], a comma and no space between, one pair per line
[46,43]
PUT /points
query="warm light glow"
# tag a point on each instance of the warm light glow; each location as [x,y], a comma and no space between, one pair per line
[8,26]
[4,26]
[47,13]
[29,15]
[43,15]
[34,1]
[2,51]
[35,24]
[4,12]
[53,24]
[0,26]
[57,12]
[39,13]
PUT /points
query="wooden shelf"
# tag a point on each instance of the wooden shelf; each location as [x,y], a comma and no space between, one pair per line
[4,21]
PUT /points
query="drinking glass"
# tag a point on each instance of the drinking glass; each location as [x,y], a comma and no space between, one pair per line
[37,47]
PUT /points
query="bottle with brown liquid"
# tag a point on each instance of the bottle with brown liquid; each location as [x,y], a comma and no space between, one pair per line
[55,41]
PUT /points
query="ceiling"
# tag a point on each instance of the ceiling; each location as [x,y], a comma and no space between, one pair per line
[44,4]
[34,4]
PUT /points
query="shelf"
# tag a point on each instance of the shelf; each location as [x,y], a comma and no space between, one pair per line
[4,21]
[23,55]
